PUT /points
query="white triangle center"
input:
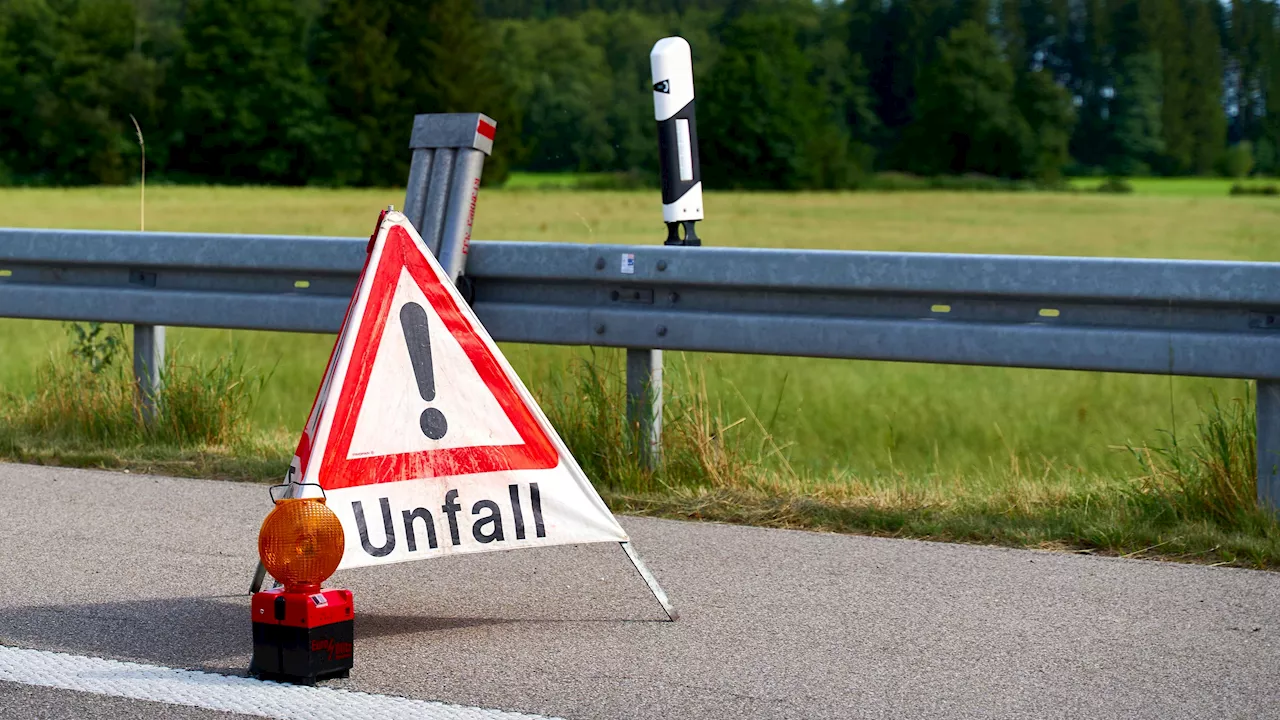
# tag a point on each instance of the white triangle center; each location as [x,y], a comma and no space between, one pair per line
[390,420]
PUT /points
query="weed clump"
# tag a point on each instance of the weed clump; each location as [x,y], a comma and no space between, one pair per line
[1116,186]
[86,397]
[698,449]
[1211,477]
[1266,190]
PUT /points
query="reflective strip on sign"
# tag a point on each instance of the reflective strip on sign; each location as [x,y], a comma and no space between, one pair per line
[485,131]
[226,693]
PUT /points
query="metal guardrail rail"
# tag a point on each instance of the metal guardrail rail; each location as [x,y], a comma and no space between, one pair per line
[1202,318]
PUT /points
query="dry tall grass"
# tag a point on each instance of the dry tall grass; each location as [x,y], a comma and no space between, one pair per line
[201,404]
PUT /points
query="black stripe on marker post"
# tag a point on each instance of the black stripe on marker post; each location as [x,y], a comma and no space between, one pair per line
[673,186]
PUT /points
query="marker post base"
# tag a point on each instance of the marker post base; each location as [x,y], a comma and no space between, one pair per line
[690,238]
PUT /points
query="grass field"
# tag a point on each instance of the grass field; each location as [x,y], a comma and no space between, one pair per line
[1012,456]
[1178,187]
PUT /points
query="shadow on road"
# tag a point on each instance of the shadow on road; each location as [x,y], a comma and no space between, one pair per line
[200,633]
[371,625]
[195,632]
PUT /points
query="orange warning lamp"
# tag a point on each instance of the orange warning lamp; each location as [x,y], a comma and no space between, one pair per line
[301,543]
[301,633]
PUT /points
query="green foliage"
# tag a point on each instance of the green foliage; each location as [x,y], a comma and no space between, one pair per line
[69,74]
[970,182]
[355,60]
[776,131]
[383,61]
[1116,186]
[1136,124]
[249,109]
[1237,161]
[85,405]
[966,118]
[1266,190]
[95,344]
[1206,121]
[975,116]
[698,451]
[792,94]
[1046,108]
[1267,160]
[564,86]
[1250,35]
[1212,477]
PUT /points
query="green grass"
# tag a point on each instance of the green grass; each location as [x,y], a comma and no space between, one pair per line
[1177,187]
[1017,457]
[544,181]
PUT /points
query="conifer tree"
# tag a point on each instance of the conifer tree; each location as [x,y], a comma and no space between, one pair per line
[1176,96]
[1137,138]
[774,130]
[249,108]
[356,59]
[448,56]
[966,119]
[1206,118]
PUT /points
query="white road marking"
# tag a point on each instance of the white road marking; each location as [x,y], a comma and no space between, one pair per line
[226,693]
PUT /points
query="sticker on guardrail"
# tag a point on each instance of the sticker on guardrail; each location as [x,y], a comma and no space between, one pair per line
[423,437]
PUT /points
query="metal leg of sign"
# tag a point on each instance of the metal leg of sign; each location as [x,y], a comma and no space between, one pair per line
[259,576]
[658,593]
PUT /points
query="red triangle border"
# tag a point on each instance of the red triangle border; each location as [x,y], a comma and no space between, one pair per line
[536,452]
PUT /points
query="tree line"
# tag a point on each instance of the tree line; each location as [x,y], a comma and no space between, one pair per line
[791,93]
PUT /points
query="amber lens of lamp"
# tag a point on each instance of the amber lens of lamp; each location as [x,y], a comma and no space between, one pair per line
[301,542]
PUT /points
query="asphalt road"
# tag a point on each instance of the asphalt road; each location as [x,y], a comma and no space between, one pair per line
[775,623]
[39,703]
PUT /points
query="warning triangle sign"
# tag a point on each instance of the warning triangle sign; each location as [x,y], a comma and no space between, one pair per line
[423,437]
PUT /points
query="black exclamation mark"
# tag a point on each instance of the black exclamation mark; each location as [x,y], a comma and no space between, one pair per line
[414,321]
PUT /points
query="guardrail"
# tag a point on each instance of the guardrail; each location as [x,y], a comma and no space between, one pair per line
[1203,318]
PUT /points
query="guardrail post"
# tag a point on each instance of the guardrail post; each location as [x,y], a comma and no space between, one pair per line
[644,403]
[1268,447]
[148,368]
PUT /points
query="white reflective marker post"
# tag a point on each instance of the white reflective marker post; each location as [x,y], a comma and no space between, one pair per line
[671,64]
[673,107]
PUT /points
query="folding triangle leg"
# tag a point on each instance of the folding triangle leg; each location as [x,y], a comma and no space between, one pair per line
[259,579]
[658,593]
[259,576]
